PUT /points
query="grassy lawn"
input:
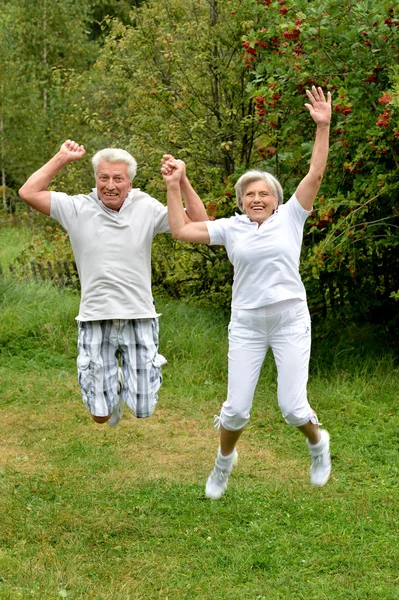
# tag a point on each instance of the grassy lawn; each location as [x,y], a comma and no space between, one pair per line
[13,240]
[94,513]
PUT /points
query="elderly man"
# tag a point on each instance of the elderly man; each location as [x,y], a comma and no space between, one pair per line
[111,232]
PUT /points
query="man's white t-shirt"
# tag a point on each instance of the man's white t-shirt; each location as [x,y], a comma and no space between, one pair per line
[112,252]
[266,257]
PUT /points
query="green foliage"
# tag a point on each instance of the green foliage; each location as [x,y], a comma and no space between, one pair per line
[42,47]
[351,247]
[185,64]
[187,271]
[13,239]
[19,246]
[224,90]
[50,242]
[221,85]
[33,330]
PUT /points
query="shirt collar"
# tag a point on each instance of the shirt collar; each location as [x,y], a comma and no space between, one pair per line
[126,202]
[245,219]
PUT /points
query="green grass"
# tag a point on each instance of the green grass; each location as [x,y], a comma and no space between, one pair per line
[94,513]
[13,239]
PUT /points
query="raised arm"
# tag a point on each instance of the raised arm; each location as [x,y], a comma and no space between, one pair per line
[320,111]
[195,209]
[182,228]
[34,191]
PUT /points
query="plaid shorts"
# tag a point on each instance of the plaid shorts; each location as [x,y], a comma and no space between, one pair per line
[132,344]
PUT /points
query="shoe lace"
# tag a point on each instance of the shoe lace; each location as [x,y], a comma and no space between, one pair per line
[216,421]
[219,474]
[317,460]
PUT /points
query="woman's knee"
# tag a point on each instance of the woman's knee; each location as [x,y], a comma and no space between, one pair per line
[295,407]
[234,421]
[298,417]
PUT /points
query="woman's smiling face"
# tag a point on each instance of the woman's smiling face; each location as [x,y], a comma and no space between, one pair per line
[258,201]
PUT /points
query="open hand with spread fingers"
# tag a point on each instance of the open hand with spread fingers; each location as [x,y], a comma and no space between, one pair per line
[319,107]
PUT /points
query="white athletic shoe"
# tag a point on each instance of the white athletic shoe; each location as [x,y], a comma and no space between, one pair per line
[217,481]
[321,462]
[118,410]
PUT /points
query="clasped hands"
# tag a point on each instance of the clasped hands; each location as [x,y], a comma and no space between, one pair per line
[173,170]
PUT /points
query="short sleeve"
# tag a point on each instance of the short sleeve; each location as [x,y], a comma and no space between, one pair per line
[296,210]
[217,231]
[161,218]
[63,208]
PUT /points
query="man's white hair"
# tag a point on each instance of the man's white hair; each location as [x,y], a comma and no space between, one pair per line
[115,155]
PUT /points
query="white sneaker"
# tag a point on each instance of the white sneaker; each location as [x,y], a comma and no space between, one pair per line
[118,410]
[321,462]
[217,481]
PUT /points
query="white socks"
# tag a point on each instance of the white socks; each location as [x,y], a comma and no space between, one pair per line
[225,463]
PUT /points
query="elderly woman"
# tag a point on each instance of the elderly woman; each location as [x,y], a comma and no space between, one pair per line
[269,308]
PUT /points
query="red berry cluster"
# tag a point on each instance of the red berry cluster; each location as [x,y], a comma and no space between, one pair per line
[212,210]
[345,110]
[283,10]
[263,105]
[266,151]
[292,35]
[385,99]
[250,51]
[383,119]
[323,220]
[366,35]
[354,169]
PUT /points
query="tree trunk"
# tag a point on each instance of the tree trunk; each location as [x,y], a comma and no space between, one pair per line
[44,54]
[3,171]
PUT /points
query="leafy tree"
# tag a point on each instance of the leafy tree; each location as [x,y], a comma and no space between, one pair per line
[42,46]
[19,100]
[222,85]
[173,80]
[351,49]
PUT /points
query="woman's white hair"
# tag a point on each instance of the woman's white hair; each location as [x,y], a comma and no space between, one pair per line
[254,175]
[115,155]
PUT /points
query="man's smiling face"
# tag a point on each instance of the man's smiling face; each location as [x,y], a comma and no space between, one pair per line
[258,201]
[113,184]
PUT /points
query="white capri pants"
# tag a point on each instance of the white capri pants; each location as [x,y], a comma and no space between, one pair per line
[251,333]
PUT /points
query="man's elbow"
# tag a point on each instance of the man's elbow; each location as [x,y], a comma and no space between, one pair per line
[24,194]
[21,193]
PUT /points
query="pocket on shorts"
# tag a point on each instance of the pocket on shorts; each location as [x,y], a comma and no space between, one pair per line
[155,373]
[85,374]
[158,361]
